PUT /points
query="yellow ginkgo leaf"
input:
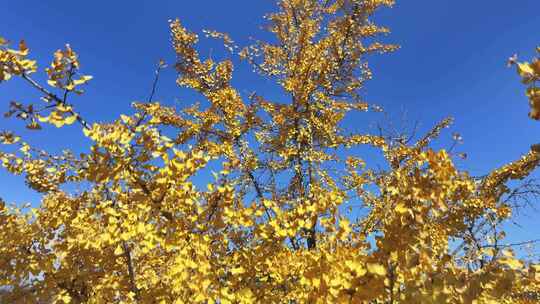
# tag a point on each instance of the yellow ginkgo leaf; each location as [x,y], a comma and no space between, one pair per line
[84,79]
[357,267]
[401,208]
[376,269]
[70,119]
[52,83]
[118,250]
[512,263]
[524,69]
[238,270]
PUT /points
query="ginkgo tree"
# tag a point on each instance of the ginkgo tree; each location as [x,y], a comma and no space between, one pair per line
[271,225]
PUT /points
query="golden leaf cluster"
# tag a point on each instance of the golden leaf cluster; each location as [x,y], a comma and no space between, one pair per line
[530,75]
[270,222]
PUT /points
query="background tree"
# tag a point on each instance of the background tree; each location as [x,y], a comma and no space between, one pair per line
[272,224]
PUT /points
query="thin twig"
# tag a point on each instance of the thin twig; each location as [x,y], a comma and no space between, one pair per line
[511,244]
[131,272]
[56,99]
[160,66]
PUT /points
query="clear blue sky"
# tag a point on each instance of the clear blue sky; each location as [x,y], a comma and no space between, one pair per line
[452,62]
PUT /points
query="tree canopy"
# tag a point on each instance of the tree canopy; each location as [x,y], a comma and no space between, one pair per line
[272,224]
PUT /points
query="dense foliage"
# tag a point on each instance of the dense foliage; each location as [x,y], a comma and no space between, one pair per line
[272,225]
